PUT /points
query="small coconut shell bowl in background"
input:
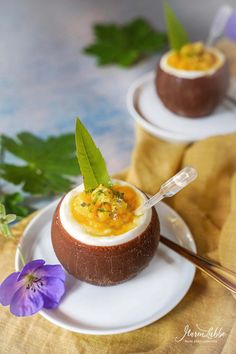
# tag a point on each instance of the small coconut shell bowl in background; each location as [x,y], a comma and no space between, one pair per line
[192,96]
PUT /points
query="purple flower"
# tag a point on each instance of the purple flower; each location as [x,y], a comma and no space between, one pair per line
[35,287]
[230,28]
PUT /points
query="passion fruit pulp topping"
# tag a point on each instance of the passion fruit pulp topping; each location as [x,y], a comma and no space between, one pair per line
[106,211]
[193,57]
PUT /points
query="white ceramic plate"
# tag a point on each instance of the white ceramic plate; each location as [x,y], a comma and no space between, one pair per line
[147,109]
[121,308]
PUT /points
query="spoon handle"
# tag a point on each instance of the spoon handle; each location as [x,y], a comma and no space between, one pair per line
[218,24]
[222,275]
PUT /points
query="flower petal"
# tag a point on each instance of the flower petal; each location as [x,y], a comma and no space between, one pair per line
[55,271]
[8,288]
[30,267]
[26,302]
[48,303]
[53,288]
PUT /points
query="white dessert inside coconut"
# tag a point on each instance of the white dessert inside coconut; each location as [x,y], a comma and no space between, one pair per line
[105,217]
[193,61]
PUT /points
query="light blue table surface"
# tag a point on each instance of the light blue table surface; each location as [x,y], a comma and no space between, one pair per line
[45,80]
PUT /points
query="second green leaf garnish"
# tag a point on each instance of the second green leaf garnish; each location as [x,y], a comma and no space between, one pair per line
[177,35]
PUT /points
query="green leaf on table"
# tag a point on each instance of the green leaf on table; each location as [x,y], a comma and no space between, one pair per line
[177,35]
[125,44]
[13,204]
[91,161]
[46,166]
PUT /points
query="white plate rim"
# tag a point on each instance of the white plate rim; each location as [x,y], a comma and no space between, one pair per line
[149,127]
[44,313]
[155,130]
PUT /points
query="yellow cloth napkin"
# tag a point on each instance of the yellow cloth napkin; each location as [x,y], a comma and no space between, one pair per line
[209,207]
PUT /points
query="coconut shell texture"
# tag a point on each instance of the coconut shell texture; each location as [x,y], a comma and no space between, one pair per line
[105,265]
[192,97]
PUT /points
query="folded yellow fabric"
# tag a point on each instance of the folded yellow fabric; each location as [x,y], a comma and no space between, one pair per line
[229,48]
[209,207]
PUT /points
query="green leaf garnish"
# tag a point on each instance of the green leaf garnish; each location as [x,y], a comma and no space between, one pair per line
[177,36]
[91,161]
[125,45]
[45,165]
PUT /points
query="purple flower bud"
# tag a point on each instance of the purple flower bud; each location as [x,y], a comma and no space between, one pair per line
[230,28]
[36,286]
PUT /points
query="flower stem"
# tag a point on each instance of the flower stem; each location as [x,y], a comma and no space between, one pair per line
[22,258]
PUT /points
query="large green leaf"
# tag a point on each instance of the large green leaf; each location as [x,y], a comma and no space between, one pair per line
[45,166]
[177,35]
[91,161]
[125,44]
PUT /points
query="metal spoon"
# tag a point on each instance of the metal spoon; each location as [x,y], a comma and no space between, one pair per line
[222,275]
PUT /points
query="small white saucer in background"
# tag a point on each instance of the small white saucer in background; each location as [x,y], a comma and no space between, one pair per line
[147,109]
[121,308]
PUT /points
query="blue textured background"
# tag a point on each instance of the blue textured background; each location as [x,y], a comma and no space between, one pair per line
[45,80]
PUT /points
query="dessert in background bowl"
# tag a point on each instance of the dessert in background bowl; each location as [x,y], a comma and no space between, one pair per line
[193,81]
[97,233]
